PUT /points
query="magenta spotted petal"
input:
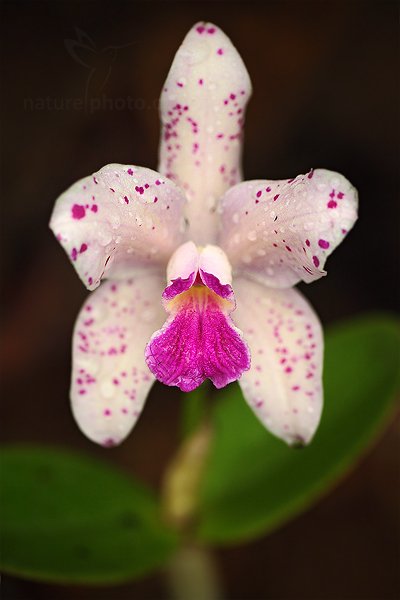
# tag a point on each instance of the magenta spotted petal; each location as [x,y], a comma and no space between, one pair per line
[202,104]
[110,378]
[281,232]
[119,219]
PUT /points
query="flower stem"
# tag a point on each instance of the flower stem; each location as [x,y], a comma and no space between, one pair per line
[183,479]
[192,574]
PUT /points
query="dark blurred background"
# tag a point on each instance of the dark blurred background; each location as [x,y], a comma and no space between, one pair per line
[81,82]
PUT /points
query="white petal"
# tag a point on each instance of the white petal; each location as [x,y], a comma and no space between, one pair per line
[121,218]
[281,232]
[213,260]
[284,384]
[110,379]
[202,111]
[183,263]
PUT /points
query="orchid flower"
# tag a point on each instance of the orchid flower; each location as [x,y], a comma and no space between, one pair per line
[230,251]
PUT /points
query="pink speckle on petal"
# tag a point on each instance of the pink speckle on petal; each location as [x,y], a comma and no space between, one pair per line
[323,244]
[332,204]
[220,51]
[78,211]
[316,261]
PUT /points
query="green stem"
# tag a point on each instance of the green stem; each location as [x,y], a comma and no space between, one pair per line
[192,574]
[183,479]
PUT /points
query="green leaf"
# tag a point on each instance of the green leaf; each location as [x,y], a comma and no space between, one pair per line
[254,482]
[69,518]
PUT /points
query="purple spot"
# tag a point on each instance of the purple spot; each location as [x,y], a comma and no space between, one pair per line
[220,51]
[332,204]
[78,211]
[83,248]
[316,261]
[109,443]
[323,244]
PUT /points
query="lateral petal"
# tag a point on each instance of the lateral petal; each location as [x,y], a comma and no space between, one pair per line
[120,219]
[110,378]
[281,232]
[284,384]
